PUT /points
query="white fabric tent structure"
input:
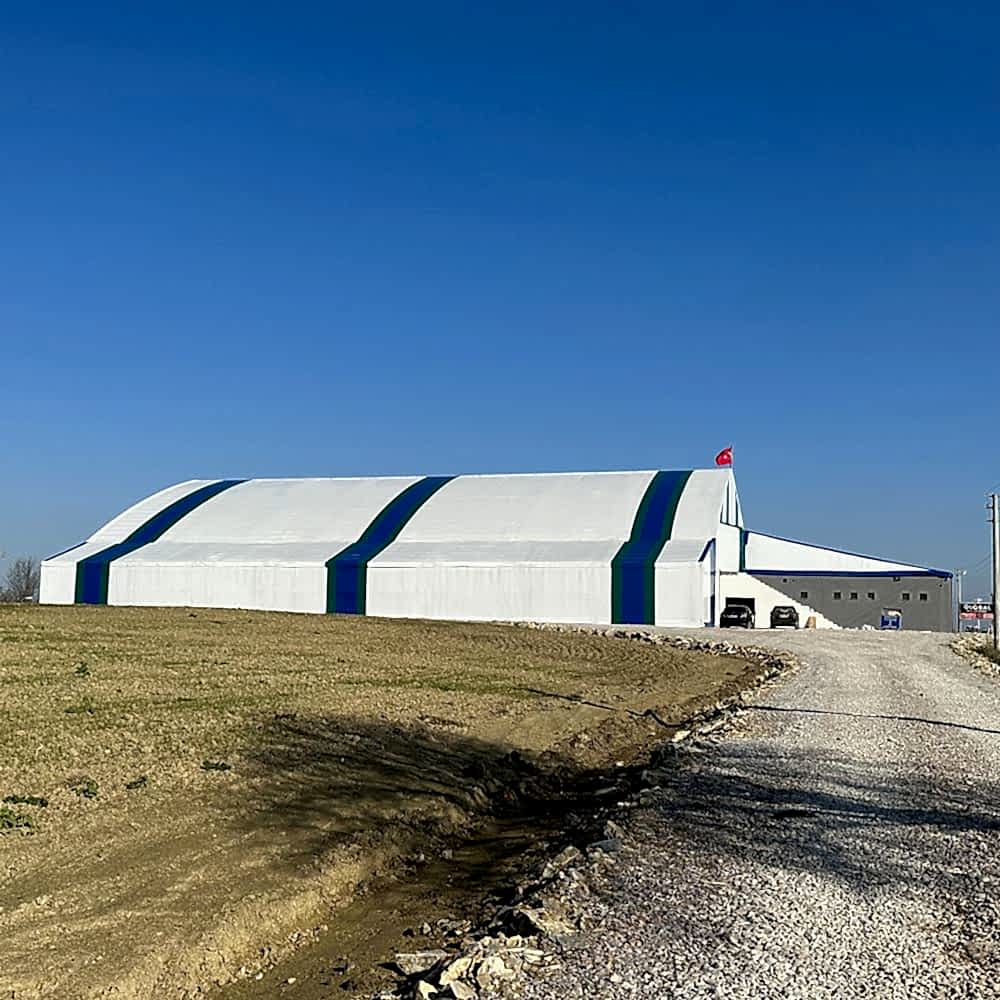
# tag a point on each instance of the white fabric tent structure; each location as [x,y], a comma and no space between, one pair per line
[630,547]
[656,548]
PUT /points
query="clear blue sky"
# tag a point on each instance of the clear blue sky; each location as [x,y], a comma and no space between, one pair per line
[282,239]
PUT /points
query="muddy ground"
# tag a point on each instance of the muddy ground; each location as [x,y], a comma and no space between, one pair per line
[198,797]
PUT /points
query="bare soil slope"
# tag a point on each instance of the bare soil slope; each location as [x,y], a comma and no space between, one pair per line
[185,789]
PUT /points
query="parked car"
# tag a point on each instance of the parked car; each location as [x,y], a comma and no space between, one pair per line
[784,614]
[736,616]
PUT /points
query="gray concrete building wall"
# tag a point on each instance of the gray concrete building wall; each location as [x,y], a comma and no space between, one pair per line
[853,601]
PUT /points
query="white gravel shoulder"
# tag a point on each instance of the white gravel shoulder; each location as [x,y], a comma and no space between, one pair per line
[840,839]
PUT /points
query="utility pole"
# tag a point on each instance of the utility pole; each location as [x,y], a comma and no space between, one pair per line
[995,518]
[959,573]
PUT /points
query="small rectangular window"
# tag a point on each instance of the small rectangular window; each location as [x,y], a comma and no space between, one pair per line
[803,595]
[836,595]
[923,597]
[854,595]
[906,595]
[871,595]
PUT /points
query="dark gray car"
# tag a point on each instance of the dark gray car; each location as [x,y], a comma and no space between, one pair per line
[784,616]
[736,616]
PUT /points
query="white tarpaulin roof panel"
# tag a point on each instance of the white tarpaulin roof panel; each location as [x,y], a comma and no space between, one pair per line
[770,554]
[544,507]
[278,511]
[701,503]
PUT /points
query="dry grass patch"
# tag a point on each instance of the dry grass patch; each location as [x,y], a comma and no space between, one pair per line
[214,779]
[979,651]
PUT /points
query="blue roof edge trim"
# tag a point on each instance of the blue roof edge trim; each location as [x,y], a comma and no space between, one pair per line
[63,552]
[891,574]
[844,552]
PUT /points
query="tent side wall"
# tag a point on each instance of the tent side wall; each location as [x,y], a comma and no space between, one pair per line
[684,594]
[58,582]
[191,584]
[573,592]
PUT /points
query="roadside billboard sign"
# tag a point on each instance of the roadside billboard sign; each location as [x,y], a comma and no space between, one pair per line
[975,611]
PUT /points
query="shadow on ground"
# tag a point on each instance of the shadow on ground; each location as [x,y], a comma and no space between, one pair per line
[328,782]
[839,814]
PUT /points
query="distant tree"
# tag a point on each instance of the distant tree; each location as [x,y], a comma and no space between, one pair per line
[21,582]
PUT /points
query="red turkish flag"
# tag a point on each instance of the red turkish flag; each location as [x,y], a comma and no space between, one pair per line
[725,457]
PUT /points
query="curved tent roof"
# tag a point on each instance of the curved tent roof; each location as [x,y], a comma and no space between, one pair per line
[553,545]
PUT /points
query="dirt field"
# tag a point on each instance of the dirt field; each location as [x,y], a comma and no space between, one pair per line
[190,794]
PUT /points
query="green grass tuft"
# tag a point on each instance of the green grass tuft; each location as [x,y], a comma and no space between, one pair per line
[26,800]
[86,788]
[10,820]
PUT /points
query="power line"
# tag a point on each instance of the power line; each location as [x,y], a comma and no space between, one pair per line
[982,562]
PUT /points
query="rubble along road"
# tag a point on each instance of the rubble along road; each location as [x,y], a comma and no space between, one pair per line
[840,839]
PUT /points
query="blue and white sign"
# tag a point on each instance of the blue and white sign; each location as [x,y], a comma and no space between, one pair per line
[891,620]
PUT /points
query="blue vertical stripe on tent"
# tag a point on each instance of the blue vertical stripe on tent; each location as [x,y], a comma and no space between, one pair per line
[92,573]
[633,598]
[347,572]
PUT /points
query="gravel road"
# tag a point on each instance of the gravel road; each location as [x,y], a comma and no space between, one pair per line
[841,839]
